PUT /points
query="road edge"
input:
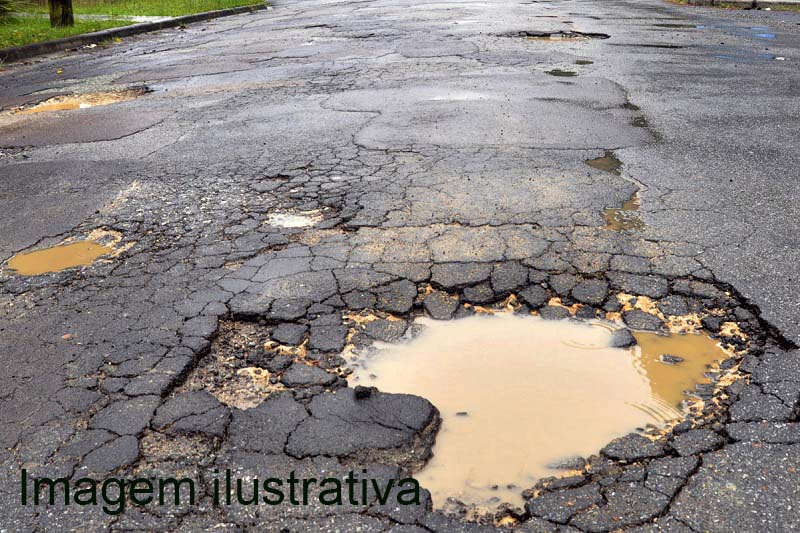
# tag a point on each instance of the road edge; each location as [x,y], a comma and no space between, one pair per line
[744,4]
[18,53]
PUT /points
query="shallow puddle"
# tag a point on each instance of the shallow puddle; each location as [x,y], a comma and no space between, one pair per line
[82,101]
[58,258]
[521,394]
[69,254]
[607,162]
[625,217]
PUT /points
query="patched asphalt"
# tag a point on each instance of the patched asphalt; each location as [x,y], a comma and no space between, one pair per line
[438,165]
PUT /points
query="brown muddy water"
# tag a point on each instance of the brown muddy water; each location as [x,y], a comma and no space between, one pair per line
[521,394]
[625,217]
[608,162]
[58,258]
[70,254]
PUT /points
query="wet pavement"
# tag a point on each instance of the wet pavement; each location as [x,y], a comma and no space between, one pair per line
[300,183]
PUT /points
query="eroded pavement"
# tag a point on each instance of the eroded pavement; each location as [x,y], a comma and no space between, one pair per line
[293,181]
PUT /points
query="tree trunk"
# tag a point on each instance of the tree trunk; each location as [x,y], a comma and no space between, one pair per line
[61,13]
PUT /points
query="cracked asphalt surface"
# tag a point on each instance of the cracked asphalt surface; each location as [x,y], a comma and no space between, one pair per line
[441,165]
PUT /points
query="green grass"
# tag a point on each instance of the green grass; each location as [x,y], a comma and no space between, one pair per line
[6,7]
[784,7]
[26,30]
[16,31]
[156,8]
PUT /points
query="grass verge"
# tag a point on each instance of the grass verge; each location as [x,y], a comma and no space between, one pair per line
[19,31]
[152,8]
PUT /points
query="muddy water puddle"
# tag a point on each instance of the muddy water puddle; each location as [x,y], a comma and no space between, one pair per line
[521,394]
[618,218]
[625,217]
[58,258]
[607,162]
[66,255]
[82,101]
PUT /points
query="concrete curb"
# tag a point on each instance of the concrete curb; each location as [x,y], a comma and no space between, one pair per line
[17,53]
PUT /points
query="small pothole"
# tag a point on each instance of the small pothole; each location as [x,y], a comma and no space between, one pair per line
[519,395]
[625,217]
[82,101]
[607,162]
[294,220]
[562,73]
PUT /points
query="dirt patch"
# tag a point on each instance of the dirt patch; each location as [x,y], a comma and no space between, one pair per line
[245,365]
[229,372]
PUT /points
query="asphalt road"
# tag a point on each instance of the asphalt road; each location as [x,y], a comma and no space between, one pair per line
[437,153]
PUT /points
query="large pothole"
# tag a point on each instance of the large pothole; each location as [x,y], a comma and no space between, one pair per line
[82,101]
[556,35]
[520,395]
